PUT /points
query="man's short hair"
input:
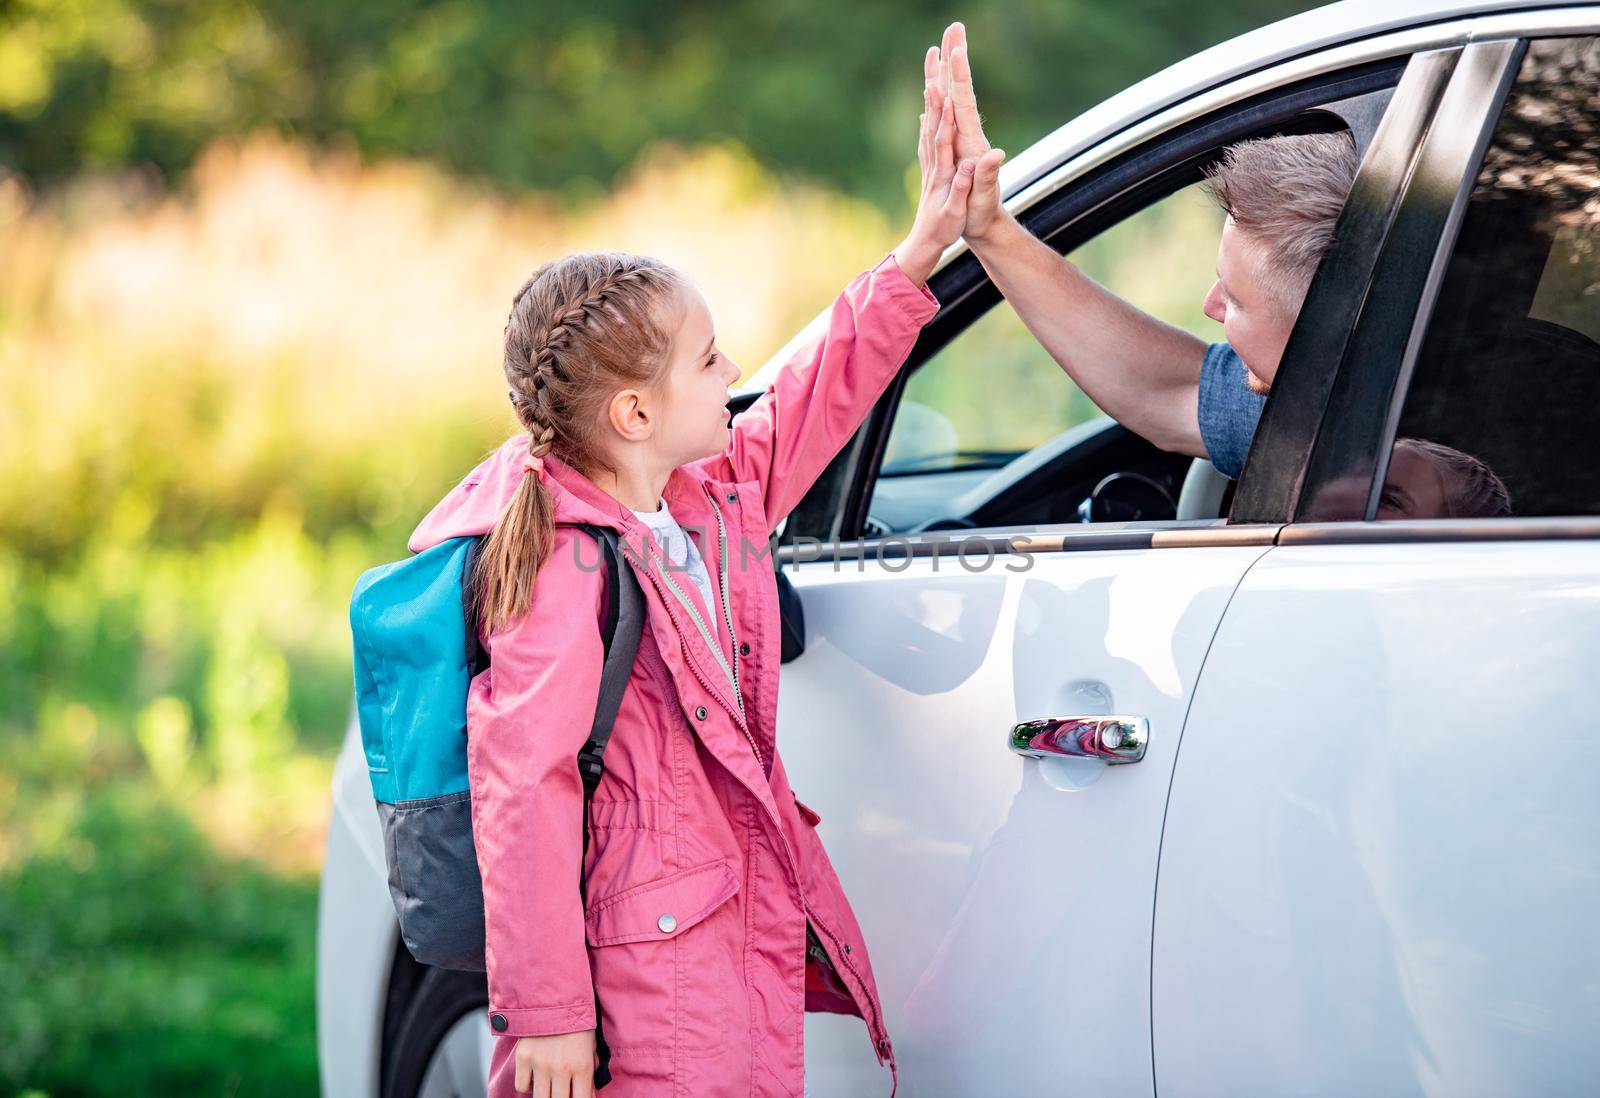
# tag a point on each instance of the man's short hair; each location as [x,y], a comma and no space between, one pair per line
[1285,193]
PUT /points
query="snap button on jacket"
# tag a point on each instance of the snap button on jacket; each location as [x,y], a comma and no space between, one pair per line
[703,869]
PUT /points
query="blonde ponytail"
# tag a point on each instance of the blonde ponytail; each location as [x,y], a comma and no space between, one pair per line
[511,557]
[580,329]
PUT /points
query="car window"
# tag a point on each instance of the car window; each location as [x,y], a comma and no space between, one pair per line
[1502,414]
[993,393]
[989,395]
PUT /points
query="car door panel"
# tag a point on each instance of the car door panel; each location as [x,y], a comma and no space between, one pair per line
[1380,853]
[1380,857]
[1006,901]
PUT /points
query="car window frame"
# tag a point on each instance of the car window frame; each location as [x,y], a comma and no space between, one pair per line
[1437,273]
[1065,217]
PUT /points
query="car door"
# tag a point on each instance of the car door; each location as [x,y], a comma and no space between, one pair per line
[1382,848]
[1007,898]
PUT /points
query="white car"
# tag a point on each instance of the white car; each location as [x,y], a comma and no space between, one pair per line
[1373,866]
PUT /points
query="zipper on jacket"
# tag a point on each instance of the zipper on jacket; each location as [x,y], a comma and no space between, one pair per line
[727,616]
[811,918]
[705,632]
[733,644]
[716,650]
[819,956]
[727,609]
[839,952]
[841,955]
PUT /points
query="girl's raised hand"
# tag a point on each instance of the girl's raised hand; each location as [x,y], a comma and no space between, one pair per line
[942,206]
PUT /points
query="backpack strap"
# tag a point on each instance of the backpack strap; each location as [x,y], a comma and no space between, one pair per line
[625,611]
[624,625]
[477,655]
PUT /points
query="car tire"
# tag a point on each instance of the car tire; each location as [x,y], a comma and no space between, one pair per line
[425,1007]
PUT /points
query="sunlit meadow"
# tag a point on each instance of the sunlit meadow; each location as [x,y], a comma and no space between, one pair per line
[221,405]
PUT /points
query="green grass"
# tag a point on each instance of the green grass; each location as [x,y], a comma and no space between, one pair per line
[137,961]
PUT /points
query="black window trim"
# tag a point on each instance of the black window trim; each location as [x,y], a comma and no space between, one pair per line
[1408,531]
[992,544]
[1436,273]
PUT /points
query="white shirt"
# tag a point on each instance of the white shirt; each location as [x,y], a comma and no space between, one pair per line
[685,559]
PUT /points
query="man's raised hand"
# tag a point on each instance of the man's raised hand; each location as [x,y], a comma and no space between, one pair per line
[955,80]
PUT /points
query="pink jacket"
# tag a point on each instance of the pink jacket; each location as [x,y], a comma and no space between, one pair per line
[703,867]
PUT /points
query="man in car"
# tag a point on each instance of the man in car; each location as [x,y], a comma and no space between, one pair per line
[1282,196]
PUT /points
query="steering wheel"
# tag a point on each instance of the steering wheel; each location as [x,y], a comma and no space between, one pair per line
[1127,497]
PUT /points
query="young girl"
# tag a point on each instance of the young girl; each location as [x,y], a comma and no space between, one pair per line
[712,919]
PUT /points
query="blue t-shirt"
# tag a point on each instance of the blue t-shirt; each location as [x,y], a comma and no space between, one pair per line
[1228,409]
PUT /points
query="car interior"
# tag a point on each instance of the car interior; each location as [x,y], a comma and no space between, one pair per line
[1091,472]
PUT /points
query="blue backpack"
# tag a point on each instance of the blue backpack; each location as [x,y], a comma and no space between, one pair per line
[415,654]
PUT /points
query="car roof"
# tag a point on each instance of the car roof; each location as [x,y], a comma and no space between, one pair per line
[1299,35]
[1309,32]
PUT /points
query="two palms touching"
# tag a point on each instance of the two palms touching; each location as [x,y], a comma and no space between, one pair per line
[947,76]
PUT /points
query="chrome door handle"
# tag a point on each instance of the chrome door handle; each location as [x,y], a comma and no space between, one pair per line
[1108,739]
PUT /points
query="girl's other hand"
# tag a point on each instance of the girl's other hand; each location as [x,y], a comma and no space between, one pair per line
[942,206]
[558,1066]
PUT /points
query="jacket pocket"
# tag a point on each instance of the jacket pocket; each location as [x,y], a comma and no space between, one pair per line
[662,908]
[667,955]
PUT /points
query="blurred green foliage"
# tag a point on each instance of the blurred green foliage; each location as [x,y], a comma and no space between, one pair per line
[139,962]
[562,95]
[166,731]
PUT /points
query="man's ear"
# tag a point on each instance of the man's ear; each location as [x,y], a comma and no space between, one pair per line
[632,415]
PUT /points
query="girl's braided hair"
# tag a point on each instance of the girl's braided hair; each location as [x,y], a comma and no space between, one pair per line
[581,328]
